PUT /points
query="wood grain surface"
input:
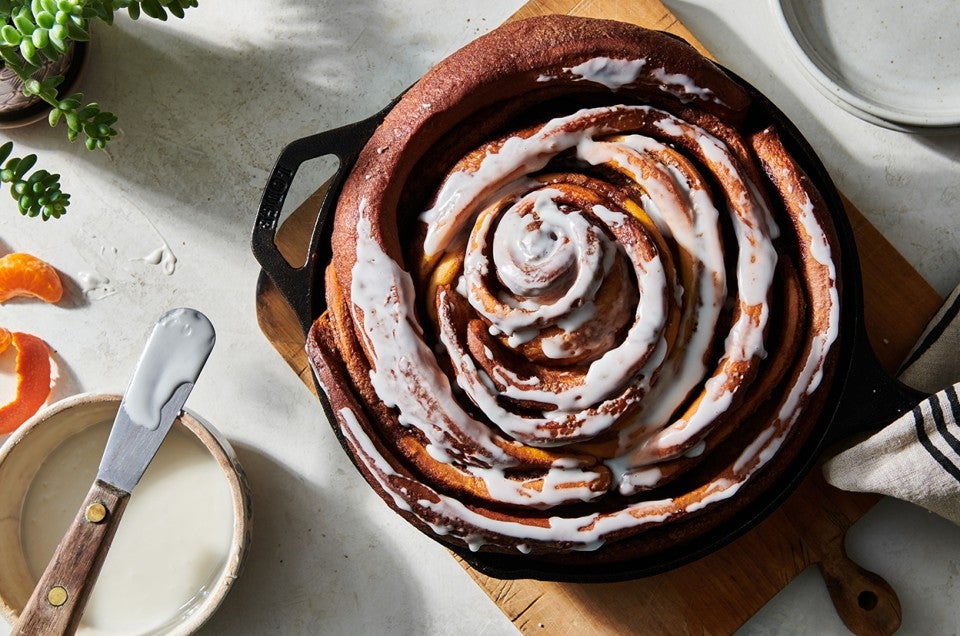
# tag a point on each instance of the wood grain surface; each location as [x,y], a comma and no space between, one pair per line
[57,603]
[735,582]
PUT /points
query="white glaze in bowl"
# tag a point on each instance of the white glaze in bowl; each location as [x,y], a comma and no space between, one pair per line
[21,459]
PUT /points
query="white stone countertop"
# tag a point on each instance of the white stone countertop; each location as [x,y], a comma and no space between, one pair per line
[206,104]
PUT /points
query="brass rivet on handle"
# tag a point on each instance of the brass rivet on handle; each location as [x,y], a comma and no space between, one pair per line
[96,512]
[57,595]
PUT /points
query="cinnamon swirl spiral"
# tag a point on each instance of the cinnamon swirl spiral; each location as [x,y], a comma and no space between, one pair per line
[580,290]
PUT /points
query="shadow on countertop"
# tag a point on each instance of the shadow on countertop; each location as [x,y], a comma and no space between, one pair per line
[201,124]
[314,578]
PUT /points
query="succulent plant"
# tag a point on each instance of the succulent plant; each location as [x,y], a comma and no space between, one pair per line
[37,194]
[37,31]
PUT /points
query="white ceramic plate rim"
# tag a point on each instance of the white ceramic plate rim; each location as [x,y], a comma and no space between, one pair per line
[865,109]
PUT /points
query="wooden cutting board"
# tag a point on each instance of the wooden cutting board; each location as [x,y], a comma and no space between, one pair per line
[733,583]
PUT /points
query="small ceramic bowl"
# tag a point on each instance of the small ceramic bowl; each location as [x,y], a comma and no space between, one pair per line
[49,457]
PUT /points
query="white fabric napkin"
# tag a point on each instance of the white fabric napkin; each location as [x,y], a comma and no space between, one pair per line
[917,457]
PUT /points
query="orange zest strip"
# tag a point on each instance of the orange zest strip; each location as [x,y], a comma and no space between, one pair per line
[33,381]
[5,338]
[25,275]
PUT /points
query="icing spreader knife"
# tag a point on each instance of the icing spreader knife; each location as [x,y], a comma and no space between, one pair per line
[169,366]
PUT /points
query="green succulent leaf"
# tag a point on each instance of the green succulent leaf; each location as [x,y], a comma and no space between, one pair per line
[76,31]
[58,37]
[40,38]
[11,36]
[24,165]
[31,87]
[23,21]
[46,19]
[37,193]
[153,9]
[29,52]
[73,121]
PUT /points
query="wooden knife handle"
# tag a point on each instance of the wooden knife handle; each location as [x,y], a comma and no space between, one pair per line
[58,601]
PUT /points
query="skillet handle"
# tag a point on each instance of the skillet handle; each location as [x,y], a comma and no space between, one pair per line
[872,397]
[298,283]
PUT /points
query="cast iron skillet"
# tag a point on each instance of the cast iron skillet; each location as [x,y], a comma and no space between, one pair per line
[862,397]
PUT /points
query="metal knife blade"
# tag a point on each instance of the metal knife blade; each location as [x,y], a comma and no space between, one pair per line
[169,366]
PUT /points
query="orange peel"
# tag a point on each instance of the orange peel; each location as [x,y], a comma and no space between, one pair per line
[22,274]
[33,379]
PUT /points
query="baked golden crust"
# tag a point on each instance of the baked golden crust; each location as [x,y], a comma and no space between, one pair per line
[581,295]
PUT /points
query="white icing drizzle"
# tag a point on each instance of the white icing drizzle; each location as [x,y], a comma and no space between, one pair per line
[517,157]
[558,348]
[616,73]
[609,72]
[691,221]
[700,238]
[529,262]
[585,531]
[164,257]
[573,404]
[683,87]
[818,248]
[381,467]
[577,243]
[95,286]
[406,375]
[609,217]
[190,335]
[756,260]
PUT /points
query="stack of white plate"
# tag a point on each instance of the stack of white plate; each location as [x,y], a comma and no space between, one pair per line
[895,63]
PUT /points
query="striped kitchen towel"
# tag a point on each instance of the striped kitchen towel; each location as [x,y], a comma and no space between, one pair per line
[917,457]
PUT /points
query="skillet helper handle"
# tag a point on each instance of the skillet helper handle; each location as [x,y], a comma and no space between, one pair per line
[872,397]
[916,456]
[60,597]
[297,282]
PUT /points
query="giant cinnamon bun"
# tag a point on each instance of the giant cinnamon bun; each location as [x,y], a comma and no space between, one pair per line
[582,295]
